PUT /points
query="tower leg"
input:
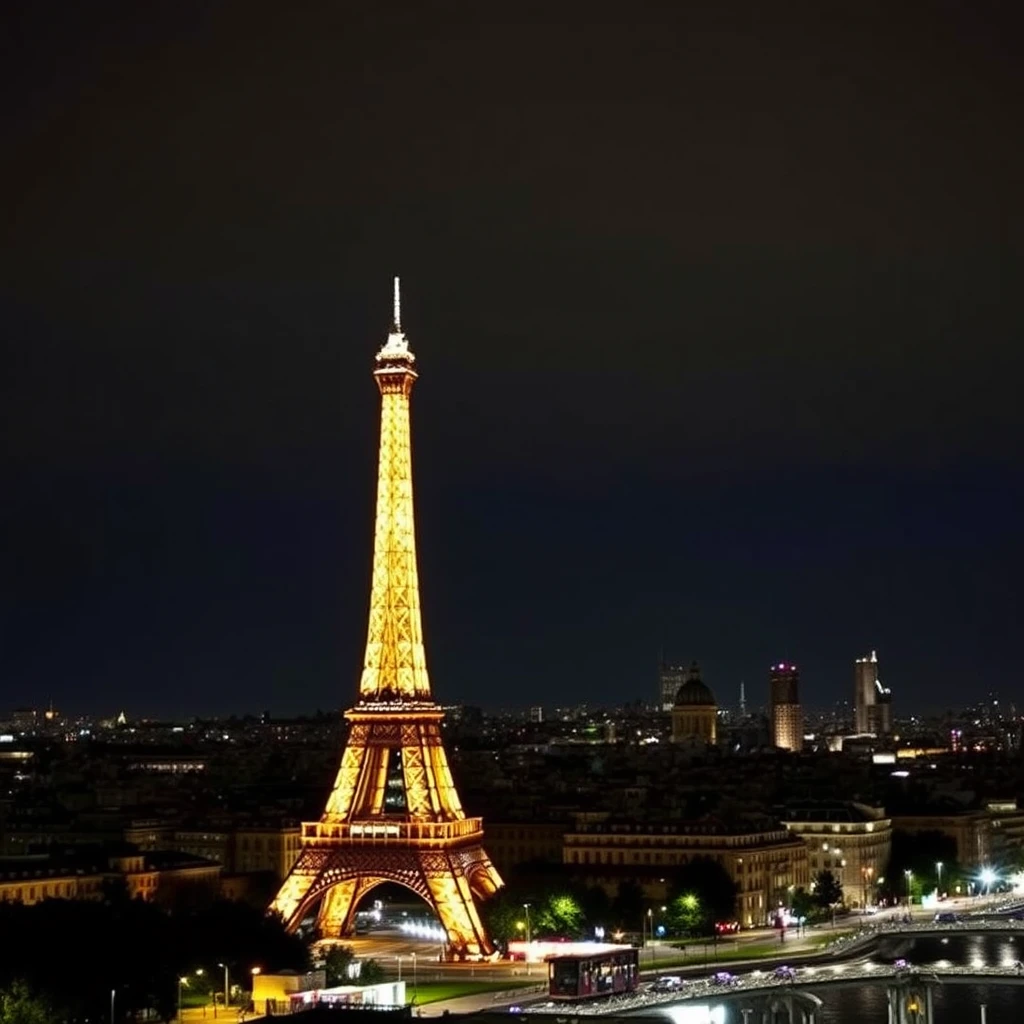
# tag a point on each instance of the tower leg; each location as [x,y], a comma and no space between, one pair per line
[452,897]
[336,909]
[295,889]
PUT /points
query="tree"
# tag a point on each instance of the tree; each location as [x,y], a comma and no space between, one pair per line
[685,916]
[628,905]
[560,914]
[337,963]
[804,903]
[712,887]
[920,853]
[371,972]
[596,906]
[827,890]
[502,917]
[19,1006]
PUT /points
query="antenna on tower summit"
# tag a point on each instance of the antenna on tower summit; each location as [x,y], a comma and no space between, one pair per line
[398,309]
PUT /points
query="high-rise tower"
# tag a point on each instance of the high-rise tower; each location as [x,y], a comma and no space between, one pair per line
[786,714]
[394,814]
[865,679]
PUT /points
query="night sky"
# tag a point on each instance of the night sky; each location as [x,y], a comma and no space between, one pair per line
[718,314]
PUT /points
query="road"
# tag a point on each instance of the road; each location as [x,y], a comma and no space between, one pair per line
[404,955]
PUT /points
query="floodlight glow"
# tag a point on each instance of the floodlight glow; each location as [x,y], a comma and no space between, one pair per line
[700,1014]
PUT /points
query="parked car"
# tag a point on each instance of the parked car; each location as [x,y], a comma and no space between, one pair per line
[946,917]
[727,927]
[723,978]
[785,973]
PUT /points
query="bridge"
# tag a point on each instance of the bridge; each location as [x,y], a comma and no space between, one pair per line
[761,994]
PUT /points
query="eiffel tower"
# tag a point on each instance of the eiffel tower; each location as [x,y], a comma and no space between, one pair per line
[394,814]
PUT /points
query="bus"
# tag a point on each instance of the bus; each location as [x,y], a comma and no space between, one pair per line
[590,975]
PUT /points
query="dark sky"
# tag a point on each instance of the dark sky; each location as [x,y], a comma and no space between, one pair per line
[718,317]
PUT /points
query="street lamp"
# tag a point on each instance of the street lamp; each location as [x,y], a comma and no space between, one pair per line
[865,877]
[227,996]
[182,982]
[988,876]
[529,937]
[938,869]
[908,875]
[113,993]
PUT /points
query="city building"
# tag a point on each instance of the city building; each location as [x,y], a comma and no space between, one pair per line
[766,863]
[512,844]
[971,830]
[670,678]
[852,840]
[872,702]
[694,711]
[82,873]
[787,719]
[865,675]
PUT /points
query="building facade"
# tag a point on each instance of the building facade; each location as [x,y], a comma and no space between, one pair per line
[764,863]
[82,875]
[851,840]
[787,718]
[865,675]
[670,678]
[694,713]
[872,702]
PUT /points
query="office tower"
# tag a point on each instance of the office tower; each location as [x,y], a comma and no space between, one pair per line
[787,718]
[872,700]
[670,678]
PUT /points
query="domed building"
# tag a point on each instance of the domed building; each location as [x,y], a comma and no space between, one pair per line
[695,713]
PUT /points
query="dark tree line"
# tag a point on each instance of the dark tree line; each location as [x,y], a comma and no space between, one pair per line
[551,903]
[74,953]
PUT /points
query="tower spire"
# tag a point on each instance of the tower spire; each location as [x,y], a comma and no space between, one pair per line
[397,320]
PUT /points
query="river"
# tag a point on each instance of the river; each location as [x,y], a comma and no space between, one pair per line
[954,1004]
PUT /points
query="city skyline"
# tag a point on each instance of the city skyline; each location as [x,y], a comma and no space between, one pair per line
[717,322]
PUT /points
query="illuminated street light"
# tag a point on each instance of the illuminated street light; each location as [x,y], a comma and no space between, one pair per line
[227,995]
[938,871]
[529,937]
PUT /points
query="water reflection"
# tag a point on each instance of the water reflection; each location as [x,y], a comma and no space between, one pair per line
[953,1003]
[958,950]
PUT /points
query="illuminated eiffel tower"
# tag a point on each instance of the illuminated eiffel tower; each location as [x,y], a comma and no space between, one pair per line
[394,814]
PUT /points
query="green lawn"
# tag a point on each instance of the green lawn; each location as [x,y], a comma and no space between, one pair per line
[435,991]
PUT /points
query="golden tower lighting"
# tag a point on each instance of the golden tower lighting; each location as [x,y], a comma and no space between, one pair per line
[394,814]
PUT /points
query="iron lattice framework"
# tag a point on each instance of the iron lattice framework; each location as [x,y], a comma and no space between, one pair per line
[394,814]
